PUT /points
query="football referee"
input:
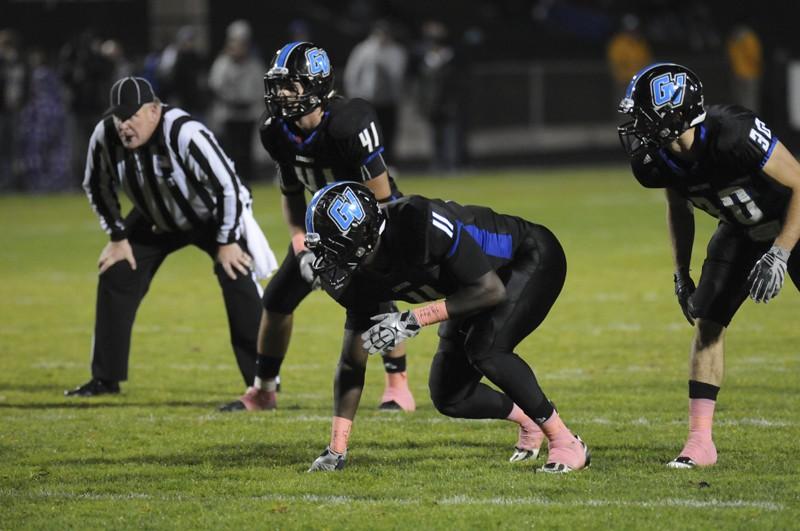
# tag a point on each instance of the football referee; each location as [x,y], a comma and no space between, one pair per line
[184,191]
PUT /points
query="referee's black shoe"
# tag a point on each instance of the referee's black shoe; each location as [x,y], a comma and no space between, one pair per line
[95,387]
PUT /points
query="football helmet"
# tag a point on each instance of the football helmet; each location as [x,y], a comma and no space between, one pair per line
[343,225]
[300,63]
[663,100]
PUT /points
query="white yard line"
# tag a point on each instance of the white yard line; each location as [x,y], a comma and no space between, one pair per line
[450,500]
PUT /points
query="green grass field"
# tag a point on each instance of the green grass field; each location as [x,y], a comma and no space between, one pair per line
[612,354]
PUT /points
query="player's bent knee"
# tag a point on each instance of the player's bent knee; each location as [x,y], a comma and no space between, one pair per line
[708,333]
[446,405]
[119,273]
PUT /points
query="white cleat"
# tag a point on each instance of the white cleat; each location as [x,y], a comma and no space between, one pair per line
[523,455]
[682,462]
[328,461]
[562,468]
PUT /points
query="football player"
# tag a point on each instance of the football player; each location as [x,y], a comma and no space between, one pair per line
[725,160]
[492,279]
[316,138]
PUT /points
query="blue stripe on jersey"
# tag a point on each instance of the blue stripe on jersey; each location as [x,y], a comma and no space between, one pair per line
[297,139]
[283,56]
[702,133]
[492,243]
[769,151]
[453,247]
[671,163]
[372,156]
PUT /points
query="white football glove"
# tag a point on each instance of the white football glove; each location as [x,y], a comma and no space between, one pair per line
[766,278]
[392,329]
[328,461]
[305,260]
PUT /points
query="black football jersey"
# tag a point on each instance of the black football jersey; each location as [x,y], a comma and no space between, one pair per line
[429,248]
[346,146]
[727,179]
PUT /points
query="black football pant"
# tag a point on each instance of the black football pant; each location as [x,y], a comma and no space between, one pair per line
[121,289]
[483,345]
[723,286]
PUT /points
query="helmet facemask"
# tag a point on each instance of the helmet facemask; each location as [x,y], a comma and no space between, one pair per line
[283,96]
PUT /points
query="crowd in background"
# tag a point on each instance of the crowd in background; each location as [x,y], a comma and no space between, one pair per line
[50,101]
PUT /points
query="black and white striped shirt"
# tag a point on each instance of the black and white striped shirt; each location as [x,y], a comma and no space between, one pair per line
[180,179]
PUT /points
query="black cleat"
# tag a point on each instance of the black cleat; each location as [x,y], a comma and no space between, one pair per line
[236,405]
[390,405]
[95,387]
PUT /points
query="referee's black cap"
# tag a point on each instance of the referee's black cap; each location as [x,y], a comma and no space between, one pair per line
[128,95]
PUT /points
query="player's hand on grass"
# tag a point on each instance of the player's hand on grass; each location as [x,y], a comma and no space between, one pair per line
[232,258]
[684,288]
[766,278]
[305,260]
[392,329]
[328,461]
[115,252]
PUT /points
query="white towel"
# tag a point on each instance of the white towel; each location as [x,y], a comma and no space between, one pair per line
[264,262]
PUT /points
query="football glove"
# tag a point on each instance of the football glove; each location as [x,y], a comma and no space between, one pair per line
[766,278]
[684,288]
[305,260]
[393,328]
[328,461]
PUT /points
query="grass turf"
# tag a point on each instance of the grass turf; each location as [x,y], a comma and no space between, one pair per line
[612,354]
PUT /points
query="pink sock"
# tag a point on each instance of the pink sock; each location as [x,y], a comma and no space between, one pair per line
[530,435]
[340,434]
[700,446]
[564,448]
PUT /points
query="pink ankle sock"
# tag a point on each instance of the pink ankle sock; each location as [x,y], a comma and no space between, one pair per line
[700,445]
[563,447]
[530,435]
[340,434]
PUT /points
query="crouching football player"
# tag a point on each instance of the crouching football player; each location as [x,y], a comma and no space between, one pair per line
[492,279]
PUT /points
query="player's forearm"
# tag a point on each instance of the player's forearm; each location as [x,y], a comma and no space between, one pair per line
[380,187]
[680,222]
[790,232]
[294,208]
[487,292]
[349,381]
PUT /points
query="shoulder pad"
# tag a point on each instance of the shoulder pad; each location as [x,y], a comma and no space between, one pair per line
[349,117]
[646,168]
[734,123]
[265,121]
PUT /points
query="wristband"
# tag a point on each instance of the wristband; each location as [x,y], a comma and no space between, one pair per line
[434,312]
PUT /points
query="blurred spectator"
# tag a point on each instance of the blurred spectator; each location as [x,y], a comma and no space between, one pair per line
[44,147]
[627,53]
[237,83]
[12,91]
[374,72]
[299,31]
[112,51]
[87,75]
[182,73]
[438,96]
[747,65]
